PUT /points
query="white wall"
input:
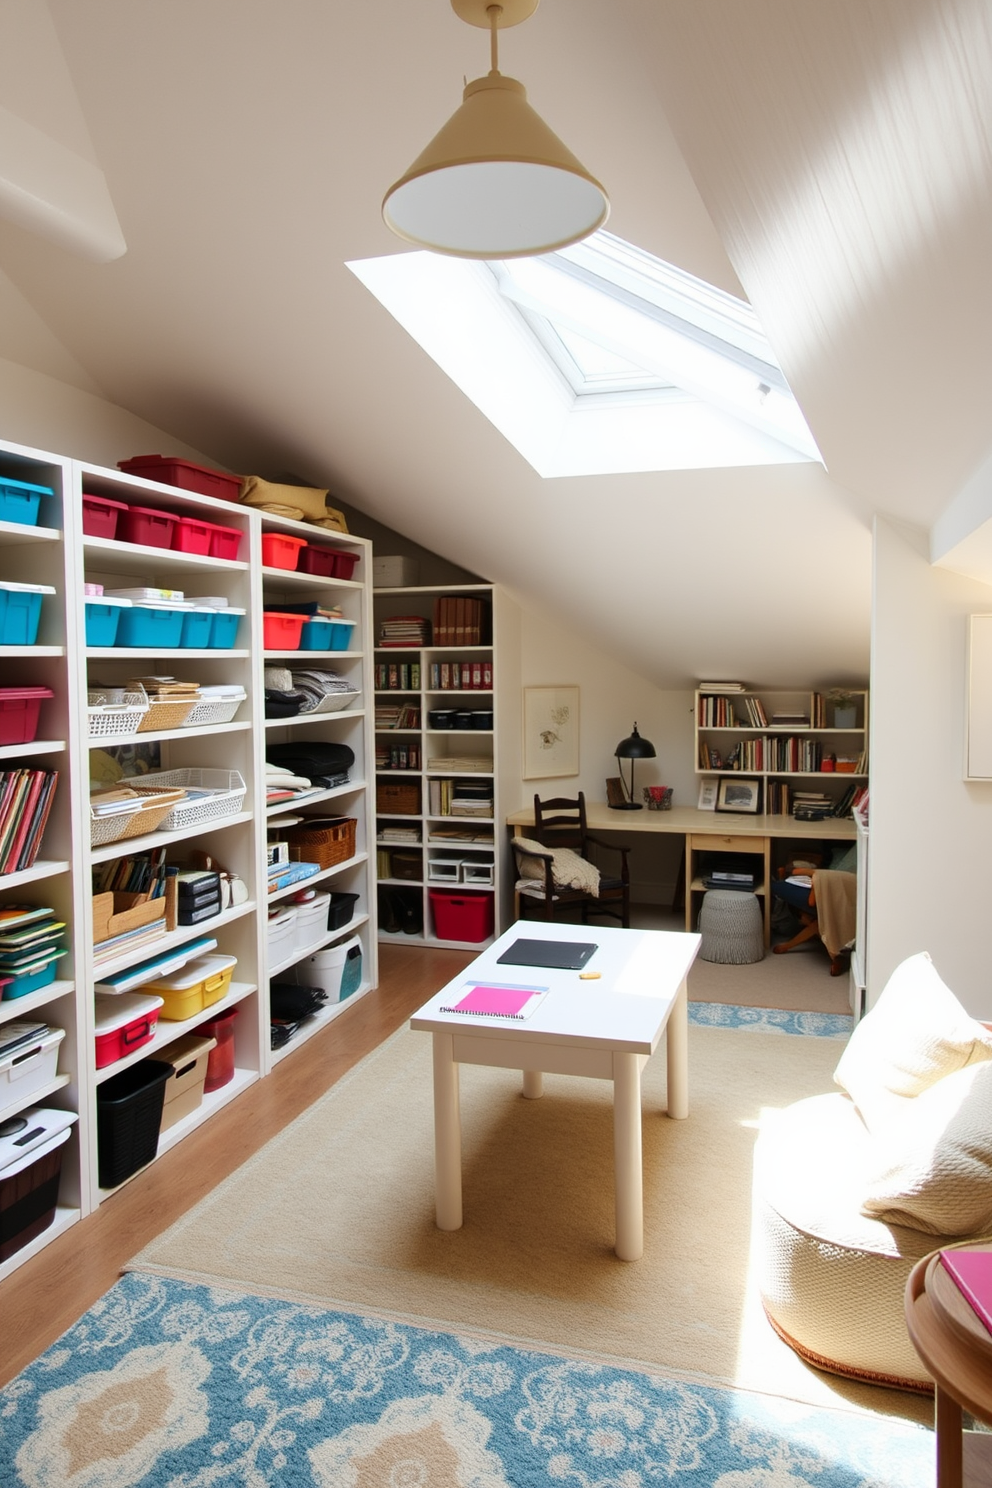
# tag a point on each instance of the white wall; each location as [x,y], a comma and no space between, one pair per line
[47,414]
[611,700]
[930,833]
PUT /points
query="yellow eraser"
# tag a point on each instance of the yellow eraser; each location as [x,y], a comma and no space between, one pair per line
[588,976]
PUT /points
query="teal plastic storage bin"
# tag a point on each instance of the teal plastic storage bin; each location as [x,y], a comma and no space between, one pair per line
[20,612]
[197,626]
[224,628]
[103,618]
[316,635]
[20,986]
[341,631]
[20,500]
[152,625]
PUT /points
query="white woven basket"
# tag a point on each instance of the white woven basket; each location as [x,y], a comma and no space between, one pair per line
[209,711]
[116,720]
[227,791]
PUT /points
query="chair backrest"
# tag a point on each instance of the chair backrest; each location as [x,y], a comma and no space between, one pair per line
[561,822]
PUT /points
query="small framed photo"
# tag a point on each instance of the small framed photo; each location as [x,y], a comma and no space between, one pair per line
[739,795]
[707,795]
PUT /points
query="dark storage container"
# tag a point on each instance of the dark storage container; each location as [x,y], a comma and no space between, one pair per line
[128,1118]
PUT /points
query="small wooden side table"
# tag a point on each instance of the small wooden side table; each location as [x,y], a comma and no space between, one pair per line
[957,1349]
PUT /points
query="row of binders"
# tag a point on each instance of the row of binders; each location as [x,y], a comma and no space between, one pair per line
[26,798]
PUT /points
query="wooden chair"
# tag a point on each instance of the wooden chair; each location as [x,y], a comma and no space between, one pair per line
[561,823]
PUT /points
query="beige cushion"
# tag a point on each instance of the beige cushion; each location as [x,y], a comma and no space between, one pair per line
[916,1034]
[933,1171]
[527,866]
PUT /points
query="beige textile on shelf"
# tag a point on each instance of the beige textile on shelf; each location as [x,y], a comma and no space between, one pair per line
[298,503]
[835,893]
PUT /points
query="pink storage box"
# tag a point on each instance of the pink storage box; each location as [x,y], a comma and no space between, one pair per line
[190,535]
[124,1021]
[19,709]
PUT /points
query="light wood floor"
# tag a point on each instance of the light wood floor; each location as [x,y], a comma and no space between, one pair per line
[50,1292]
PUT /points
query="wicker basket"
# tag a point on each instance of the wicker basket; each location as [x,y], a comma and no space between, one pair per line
[325,840]
[116,720]
[148,815]
[165,713]
[227,792]
[398,797]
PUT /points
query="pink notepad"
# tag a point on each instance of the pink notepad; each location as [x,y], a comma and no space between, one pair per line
[497,1000]
[972,1271]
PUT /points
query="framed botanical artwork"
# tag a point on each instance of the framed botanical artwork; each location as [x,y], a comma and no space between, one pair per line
[707,795]
[551,732]
[739,795]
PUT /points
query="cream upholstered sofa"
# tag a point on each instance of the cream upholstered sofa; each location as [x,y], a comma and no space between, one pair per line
[852,1188]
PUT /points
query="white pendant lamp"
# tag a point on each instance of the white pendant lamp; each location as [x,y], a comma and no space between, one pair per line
[495,182]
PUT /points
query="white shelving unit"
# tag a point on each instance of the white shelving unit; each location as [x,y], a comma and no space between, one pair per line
[480,866]
[58,553]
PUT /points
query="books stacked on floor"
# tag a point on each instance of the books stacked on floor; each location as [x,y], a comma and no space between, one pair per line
[30,941]
[26,798]
[405,630]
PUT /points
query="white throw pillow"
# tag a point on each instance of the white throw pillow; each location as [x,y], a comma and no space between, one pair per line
[934,1171]
[917,1033]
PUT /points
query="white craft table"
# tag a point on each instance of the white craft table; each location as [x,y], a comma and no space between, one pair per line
[606,1028]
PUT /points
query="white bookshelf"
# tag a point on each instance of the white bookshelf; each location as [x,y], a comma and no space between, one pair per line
[59,554]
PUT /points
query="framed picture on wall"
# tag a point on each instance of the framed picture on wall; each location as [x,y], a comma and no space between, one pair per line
[739,795]
[551,732]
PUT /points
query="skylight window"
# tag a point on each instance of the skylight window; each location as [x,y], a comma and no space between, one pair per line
[599,358]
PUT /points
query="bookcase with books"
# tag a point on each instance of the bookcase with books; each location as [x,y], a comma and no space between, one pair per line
[807,751]
[137,819]
[447,725]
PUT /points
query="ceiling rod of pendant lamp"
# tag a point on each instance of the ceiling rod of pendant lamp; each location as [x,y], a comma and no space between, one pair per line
[495,181]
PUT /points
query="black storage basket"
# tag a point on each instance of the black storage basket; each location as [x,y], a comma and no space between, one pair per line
[128,1119]
[341,910]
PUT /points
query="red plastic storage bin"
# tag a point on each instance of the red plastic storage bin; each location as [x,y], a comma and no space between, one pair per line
[101,515]
[124,1022]
[185,474]
[220,1061]
[190,535]
[225,542]
[145,525]
[317,560]
[19,709]
[462,916]
[281,632]
[280,551]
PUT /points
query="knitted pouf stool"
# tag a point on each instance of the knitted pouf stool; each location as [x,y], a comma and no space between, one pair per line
[731,926]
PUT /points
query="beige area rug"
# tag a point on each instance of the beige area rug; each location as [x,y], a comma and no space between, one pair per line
[339,1208]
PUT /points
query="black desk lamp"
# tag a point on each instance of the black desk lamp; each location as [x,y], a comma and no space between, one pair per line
[632,748]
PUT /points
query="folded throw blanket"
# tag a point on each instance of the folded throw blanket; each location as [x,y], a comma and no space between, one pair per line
[568,870]
[835,894]
[299,503]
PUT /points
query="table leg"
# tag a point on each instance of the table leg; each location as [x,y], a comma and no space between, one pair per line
[447,1136]
[677,1049]
[950,1452]
[627,1156]
[533,1084]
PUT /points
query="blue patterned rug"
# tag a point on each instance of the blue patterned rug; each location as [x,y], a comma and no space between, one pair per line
[165,1384]
[770,1020]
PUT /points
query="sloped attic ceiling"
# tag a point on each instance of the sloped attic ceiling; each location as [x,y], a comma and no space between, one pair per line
[247,147]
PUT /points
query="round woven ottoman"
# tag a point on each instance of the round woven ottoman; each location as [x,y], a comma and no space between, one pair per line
[731,926]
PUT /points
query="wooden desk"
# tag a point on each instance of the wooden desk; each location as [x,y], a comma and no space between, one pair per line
[957,1350]
[708,831]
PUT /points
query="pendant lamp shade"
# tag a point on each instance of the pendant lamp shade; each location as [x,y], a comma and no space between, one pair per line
[495,181]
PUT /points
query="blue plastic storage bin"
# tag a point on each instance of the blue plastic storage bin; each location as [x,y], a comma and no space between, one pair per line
[102,619]
[20,986]
[224,628]
[20,500]
[20,612]
[316,635]
[340,635]
[152,625]
[197,626]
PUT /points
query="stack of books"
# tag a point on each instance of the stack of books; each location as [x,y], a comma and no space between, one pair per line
[398,834]
[722,687]
[405,630]
[26,798]
[471,798]
[281,875]
[811,805]
[460,620]
[30,940]
[397,715]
